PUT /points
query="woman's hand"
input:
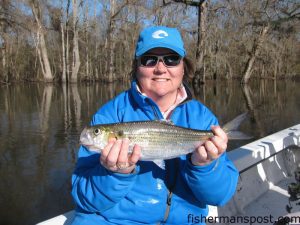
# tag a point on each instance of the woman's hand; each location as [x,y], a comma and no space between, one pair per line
[211,149]
[115,157]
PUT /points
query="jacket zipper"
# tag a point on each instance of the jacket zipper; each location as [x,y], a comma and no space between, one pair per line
[170,189]
[167,212]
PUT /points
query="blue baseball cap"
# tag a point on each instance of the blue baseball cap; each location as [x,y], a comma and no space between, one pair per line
[159,37]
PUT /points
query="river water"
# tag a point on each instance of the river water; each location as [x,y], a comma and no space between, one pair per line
[40,125]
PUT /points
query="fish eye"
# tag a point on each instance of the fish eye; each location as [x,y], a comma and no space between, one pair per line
[97,131]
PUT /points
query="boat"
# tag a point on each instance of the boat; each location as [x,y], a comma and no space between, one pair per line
[268,191]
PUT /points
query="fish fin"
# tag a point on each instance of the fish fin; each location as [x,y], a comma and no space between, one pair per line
[112,135]
[237,135]
[160,163]
[231,127]
[170,122]
[235,123]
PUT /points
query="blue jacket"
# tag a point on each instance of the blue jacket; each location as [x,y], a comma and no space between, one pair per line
[104,197]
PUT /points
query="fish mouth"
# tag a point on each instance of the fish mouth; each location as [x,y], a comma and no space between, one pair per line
[84,139]
[85,144]
[91,147]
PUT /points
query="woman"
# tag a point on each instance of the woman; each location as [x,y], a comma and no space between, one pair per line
[117,188]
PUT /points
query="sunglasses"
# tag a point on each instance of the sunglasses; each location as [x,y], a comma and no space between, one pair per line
[152,60]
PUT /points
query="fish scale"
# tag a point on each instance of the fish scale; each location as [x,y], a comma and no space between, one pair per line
[163,139]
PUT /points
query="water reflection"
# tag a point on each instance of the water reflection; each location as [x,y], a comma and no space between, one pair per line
[40,125]
[248,95]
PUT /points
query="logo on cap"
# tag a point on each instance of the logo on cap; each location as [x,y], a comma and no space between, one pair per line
[160,34]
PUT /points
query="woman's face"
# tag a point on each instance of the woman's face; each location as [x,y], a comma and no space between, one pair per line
[160,80]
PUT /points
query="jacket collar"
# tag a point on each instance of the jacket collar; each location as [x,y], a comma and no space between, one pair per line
[148,104]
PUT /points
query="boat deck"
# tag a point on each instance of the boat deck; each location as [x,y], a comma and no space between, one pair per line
[270,208]
[275,203]
[267,168]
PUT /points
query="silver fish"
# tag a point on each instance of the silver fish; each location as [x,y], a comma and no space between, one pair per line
[158,139]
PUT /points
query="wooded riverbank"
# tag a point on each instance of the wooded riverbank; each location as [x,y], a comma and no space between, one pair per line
[74,41]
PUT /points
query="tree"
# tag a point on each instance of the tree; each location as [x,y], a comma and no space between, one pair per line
[201,37]
[4,24]
[272,15]
[76,57]
[114,12]
[40,41]
[254,53]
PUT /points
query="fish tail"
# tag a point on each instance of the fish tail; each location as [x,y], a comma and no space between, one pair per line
[231,128]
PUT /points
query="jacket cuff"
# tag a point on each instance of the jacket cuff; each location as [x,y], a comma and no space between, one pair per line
[135,171]
[210,167]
